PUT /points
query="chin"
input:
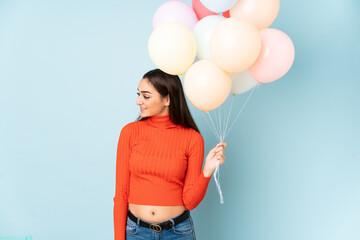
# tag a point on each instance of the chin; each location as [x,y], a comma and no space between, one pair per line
[144,115]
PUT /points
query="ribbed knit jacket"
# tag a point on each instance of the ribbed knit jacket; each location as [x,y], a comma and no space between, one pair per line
[158,163]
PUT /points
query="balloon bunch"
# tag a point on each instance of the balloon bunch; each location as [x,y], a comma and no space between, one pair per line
[235,50]
[235,53]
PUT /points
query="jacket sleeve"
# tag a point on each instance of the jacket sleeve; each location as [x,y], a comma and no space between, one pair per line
[122,184]
[196,183]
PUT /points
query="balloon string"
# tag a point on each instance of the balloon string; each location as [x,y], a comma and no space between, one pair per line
[229,113]
[224,119]
[220,128]
[208,123]
[247,100]
[218,121]
[222,112]
[212,122]
[216,173]
[216,177]
[228,107]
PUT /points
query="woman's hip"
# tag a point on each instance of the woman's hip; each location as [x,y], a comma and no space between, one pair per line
[179,227]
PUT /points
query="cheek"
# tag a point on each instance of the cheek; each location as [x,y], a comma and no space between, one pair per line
[149,104]
[154,103]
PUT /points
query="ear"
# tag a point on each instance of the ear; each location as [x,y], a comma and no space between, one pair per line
[167,100]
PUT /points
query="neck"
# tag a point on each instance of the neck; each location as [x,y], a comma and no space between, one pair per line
[161,121]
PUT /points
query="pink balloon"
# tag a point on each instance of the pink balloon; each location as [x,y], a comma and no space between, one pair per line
[201,11]
[276,56]
[175,11]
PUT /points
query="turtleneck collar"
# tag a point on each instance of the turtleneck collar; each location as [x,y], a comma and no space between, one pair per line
[161,121]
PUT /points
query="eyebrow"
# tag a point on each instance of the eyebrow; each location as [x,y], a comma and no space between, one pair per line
[144,91]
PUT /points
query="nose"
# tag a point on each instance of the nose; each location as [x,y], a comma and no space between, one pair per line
[139,101]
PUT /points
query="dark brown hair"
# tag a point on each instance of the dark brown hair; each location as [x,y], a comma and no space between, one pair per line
[167,84]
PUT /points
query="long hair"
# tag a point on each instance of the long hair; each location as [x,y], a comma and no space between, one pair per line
[167,84]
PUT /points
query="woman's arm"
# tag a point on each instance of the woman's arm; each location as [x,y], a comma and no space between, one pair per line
[122,183]
[197,181]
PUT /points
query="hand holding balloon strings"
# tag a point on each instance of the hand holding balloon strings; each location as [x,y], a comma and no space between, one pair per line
[214,159]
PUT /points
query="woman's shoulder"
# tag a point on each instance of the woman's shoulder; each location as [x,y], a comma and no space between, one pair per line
[193,133]
[194,140]
[132,126]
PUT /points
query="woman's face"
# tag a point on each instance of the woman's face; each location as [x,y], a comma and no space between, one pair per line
[150,101]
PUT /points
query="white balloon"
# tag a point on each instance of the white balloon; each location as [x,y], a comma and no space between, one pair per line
[218,5]
[242,82]
[202,31]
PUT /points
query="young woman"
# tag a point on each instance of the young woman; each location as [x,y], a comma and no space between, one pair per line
[159,175]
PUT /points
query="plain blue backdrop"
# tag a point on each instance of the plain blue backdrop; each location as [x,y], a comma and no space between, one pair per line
[68,77]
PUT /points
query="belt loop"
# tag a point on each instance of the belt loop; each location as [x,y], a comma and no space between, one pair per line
[172,222]
[138,221]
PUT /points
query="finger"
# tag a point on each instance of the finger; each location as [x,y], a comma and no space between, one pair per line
[221,152]
[221,161]
[214,149]
[223,144]
[220,149]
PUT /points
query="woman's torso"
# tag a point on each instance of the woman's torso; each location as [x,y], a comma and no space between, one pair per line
[169,149]
[155,214]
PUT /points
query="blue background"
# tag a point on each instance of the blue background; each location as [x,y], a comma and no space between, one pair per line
[68,77]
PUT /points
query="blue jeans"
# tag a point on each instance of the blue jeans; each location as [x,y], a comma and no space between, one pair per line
[183,231]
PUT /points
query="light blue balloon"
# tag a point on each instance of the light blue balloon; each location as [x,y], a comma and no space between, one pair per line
[202,32]
[218,5]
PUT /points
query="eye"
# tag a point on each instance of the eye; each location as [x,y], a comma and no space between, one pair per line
[146,97]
